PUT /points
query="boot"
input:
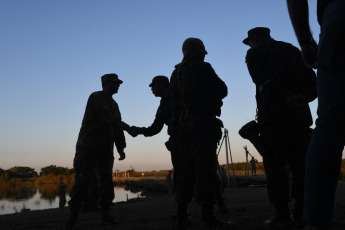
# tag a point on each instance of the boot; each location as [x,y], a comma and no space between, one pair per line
[223,207]
[184,218]
[296,218]
[281,219]
[107,218]
[212,222]
[72,220]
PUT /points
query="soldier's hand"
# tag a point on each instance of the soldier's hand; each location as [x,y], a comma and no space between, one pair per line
[122,155]
[124,126]
[133,131]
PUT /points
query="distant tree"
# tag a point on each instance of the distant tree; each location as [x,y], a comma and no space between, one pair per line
[1,171]
[53,170]
[18,172]
[69,172]
[7,175]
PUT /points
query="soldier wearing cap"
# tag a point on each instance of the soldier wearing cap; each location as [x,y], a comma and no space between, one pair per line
[284,87]
[196,94]
[101,128]
[160,88]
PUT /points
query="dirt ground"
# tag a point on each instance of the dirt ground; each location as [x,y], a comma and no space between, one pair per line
[249,207]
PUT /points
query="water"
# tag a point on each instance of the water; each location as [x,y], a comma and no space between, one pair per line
[36,199]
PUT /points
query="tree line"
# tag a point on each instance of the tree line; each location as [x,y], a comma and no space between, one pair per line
[53,170]
[27,172]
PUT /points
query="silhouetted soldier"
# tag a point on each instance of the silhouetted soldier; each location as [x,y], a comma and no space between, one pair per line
[62,193]
[253,162]
[327,143]
[284,87]
[160,88]
[169,181]
[101,127]
[196,94]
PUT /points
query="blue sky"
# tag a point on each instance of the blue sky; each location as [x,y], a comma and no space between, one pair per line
[52,54]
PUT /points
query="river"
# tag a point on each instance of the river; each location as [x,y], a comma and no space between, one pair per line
[36,199]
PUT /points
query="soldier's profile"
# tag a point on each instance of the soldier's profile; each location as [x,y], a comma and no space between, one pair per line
[101,127]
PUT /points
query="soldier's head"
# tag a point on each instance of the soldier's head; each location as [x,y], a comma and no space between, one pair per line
[256,36]
[111,83]
[160,86]
[193,48]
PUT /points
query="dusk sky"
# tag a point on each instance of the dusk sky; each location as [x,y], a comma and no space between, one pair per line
[52,54]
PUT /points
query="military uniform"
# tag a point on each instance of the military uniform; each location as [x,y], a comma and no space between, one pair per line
[101,127]
[196,94]
[279,74]
[162,117]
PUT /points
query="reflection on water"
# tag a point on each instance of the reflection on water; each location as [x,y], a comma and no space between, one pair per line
[43,197]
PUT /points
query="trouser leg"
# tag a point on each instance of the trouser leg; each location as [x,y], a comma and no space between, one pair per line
[83,167]
[325,149]
[297,167]
[277,180]
[106,186]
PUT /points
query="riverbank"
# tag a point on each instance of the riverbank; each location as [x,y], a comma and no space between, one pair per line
[248,206]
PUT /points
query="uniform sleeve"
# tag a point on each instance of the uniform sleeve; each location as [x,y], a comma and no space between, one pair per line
[119,136]
[257,67]
[306,84]
[154,129]
[214,90]
[162,115]
[120,140]
[310,92]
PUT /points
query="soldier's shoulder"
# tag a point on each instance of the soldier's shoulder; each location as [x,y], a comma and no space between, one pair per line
[200,64]
[286,45]
[256,53]
[97,93]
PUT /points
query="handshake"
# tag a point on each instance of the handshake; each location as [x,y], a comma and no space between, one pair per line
[133,131]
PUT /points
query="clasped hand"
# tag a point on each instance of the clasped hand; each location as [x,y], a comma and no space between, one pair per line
[133,131]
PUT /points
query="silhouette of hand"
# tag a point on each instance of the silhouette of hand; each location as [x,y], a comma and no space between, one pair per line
[309,54]
[122,155]
[133,131]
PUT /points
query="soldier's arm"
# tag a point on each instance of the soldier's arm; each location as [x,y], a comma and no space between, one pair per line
[256,60]
[299,15]
[162,114]
[267,81]
[120,142]
[219,86]
[304,82]
[153,129]
[309,85]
